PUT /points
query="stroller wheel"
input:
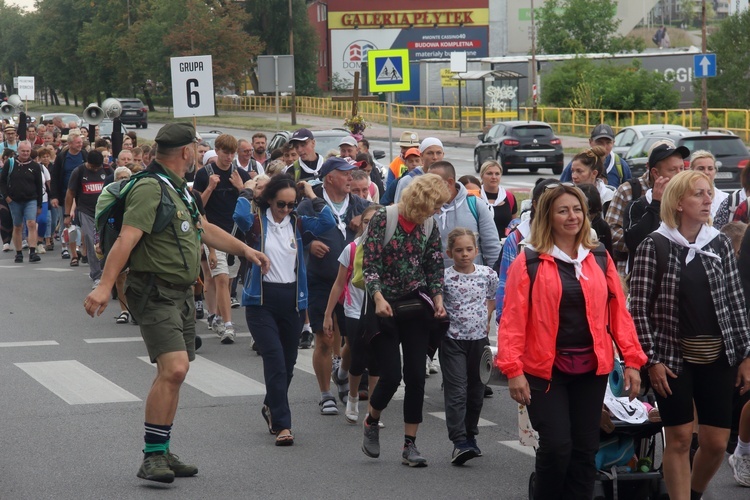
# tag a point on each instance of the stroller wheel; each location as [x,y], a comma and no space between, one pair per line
[532,486]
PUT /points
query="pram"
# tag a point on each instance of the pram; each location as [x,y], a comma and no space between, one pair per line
[643,481]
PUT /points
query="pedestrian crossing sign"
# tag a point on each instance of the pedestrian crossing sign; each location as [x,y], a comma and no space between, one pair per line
[388,70]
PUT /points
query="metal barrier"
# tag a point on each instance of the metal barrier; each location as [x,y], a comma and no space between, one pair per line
[571,121]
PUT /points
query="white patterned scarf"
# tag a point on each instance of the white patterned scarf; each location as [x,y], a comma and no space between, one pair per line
[705,236]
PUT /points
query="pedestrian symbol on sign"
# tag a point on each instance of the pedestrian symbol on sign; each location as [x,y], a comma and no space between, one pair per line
[388,70]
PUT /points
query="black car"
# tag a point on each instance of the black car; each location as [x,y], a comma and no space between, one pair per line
[520,144]
[730,152]
[134,112]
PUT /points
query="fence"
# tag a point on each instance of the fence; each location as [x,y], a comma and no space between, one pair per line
[564,120]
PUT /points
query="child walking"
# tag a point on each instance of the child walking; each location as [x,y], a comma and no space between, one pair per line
[469,301]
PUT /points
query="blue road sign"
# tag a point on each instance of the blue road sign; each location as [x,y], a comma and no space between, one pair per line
[389,70]
[704,65]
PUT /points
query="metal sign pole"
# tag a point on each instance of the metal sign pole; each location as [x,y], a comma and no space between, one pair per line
[389,95]
[276,76]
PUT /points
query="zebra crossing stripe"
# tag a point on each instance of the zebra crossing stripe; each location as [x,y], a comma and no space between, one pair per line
[482,422]
[29,343]
[526,450]
[75,383]
[218,381]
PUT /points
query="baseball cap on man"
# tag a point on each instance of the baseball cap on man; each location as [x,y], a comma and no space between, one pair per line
[302,135]
[348,141]
[175,135]
[409,139]
[412,152]
[602,130]
[335,163]
[663,151]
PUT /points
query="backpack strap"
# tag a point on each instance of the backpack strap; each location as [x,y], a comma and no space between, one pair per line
[532,266]
[471,201]
[618,166]
[637,189]
[209,169]
[600,254]
[391,214]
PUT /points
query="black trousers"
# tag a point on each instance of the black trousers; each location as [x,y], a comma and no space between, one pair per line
[566,412]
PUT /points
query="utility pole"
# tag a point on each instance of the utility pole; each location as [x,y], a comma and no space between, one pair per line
[291,52]
[704,81]
[533,66]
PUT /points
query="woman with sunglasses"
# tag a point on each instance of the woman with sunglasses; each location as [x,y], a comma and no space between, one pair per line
[276,302]
[554,345]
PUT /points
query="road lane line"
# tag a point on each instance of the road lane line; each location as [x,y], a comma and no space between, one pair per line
[113,340]
[29,343]
[218,381]
[53,269]
[526,450]
[482,422]
[75,383]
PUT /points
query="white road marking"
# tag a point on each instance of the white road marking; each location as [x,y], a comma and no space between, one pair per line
[30,343]
[54,270]
[526,450]
[482,422]
[113,340]
[75,383]
[304,361]
[216,380]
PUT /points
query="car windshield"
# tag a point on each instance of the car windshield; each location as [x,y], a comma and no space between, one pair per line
[324,144]
[532,131]
[720,146]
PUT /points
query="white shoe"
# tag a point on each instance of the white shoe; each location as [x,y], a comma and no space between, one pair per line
[40,249]
[6,247]
[740,468]
[218,326]
[228,335]
[352,409]
[431,368]
[24,244]
[96,284]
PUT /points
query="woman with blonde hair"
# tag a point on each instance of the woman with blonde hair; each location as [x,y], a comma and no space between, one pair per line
[705,162]
[403,273]
[555,340]
[689,309]
[502,202]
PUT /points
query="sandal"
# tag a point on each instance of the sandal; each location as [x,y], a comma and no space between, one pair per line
[65,254]
[266,412]
[285,439]
[74,262]
[123,318]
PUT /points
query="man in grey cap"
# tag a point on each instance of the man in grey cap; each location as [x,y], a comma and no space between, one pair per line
[159,288]
[307,166]
[616,168]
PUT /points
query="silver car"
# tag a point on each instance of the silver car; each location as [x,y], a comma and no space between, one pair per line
[628,136]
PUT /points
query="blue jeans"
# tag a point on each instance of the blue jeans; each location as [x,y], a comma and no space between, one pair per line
[22,211]
[42,221]
[276,328]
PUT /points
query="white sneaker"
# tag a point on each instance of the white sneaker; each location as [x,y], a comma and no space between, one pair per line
[40,249]
[218,326]
[96,284]
[352,409]
[24,244]
[431,368]
[6,247]
[741,468]
[227,336]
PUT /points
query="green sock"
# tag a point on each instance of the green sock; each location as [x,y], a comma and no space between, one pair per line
[155,448]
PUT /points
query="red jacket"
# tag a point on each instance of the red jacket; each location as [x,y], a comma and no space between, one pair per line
[528,334]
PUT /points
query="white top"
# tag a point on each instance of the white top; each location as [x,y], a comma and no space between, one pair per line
[465,299]
[357,295]
[45,179]
[719,197]
[281,248]
[606,192]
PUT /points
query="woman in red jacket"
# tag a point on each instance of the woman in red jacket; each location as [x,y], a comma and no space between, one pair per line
[554,345]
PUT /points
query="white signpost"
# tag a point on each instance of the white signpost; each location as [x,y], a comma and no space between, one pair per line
[192,86]
[26,88]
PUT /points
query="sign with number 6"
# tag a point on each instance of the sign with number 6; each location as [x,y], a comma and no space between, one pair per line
[192,86]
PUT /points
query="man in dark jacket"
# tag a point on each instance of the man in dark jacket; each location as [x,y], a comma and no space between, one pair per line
[21,185]
[323,265]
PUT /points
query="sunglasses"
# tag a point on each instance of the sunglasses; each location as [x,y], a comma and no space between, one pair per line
[559,184]
[281,205]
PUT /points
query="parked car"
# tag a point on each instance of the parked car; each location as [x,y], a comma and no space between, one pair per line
[65,117]
[107,126]
[730,152]
[210,136]
[134,112]
[520,144]
[325,140]
[627,136]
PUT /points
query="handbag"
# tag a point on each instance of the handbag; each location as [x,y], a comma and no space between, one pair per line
[576,360]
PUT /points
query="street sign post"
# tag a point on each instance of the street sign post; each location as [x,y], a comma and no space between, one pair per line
[275,74]
[192,86]
[388,71]
[26,88]
[704,65]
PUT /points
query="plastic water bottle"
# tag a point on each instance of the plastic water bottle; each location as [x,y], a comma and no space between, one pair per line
[644,465]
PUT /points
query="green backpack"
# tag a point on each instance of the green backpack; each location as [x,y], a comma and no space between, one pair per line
[110,209]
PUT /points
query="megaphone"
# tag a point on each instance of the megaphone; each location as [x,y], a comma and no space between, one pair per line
[112,108]
[93,114]
[9,107]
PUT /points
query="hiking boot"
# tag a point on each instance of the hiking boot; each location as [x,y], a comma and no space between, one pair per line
[180,468]
[410,456]
[463,452]
[228,335]
[199,309]
[19,258]
[156,468]
[371,440]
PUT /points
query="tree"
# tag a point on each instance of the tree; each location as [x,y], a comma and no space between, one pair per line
[270,22]
[730,43]
[580,26]
[581,83]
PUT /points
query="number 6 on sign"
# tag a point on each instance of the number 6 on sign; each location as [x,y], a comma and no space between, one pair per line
[192,86]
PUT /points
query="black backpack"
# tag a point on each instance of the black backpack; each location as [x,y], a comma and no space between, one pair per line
[533,260]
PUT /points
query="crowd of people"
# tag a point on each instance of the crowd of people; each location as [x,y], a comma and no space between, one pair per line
[382,271]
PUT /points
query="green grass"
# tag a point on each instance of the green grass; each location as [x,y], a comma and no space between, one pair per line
[226,119]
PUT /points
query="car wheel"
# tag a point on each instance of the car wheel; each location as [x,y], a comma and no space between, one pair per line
[533,170]
[144,125]
[557,170]
[476,162]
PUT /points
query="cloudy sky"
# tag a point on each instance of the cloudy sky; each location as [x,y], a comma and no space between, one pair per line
[26,4]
